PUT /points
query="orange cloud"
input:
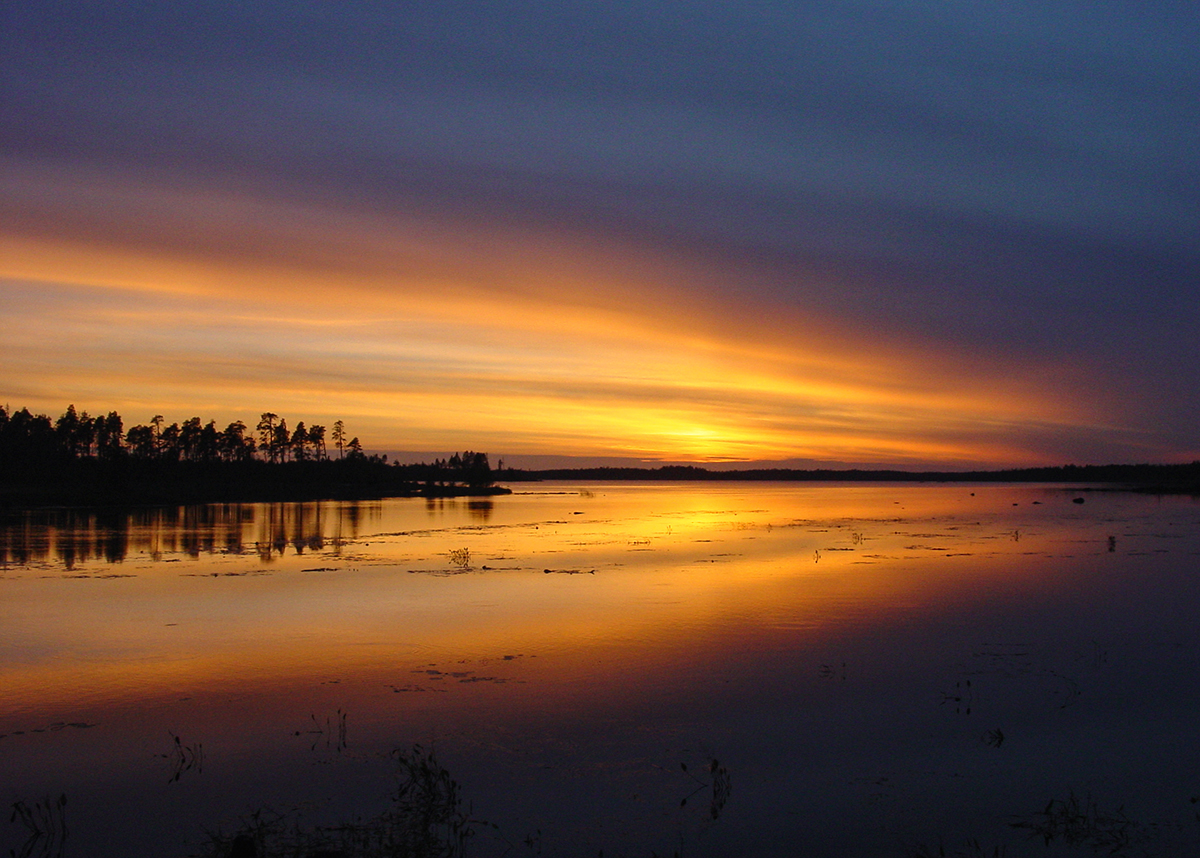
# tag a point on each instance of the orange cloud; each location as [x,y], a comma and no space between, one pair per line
[433,332]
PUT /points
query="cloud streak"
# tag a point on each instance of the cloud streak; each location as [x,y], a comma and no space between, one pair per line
[876,233]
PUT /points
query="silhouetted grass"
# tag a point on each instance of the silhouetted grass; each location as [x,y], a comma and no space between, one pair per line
[427,818]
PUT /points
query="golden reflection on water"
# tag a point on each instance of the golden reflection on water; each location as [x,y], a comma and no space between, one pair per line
[575,625]
[113,607]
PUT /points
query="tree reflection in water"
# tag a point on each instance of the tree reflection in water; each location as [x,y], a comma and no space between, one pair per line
[75,537]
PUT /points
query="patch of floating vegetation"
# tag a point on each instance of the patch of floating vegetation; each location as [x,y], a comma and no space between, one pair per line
[92,576]
[1081,822]
[245,573]
[52,728]
[404,689]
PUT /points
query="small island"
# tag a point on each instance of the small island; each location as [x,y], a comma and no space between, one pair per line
[79,459]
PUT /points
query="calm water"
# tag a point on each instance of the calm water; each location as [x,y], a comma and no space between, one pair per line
[876,670]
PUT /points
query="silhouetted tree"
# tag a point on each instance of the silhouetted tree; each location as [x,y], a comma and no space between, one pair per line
[281,440]
[28,439]
[157,423]
[109,436]
[235,445]
[266,434]
[67,430]
[210,442]
[471,468]
[141,441]
[85,438]
[299,442]
[339,437]
[316,440]
[169,446]
[189,439]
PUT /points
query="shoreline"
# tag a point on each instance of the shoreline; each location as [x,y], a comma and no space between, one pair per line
[106,485]
[100,484]
[1160,479]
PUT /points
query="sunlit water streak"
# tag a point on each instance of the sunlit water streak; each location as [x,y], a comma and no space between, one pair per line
[880,668]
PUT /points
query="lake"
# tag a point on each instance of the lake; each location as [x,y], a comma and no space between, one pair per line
[707,669]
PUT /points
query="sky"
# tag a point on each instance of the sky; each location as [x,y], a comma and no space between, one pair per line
[895,234]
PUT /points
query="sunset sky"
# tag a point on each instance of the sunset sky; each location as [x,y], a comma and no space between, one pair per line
[915,234]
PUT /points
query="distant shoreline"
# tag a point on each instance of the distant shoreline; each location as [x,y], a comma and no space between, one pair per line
[100,484]
[1169,479]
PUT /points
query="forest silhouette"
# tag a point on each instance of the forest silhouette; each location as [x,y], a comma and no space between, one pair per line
[81,459]
[78,458]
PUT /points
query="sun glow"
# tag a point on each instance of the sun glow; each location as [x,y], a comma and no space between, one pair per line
[434,333]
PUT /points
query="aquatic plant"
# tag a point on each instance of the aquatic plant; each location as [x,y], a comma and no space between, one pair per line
[426,818]
[184,758]
[719,783]
[961,697]
[427,814]
[971,848]
[830,671]
[46,824]
[1078,821]
[333,732]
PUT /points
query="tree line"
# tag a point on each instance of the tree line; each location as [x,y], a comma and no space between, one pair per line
[25,436]
[78,458]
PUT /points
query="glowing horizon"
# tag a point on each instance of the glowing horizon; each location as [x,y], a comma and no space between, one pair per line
[524,369]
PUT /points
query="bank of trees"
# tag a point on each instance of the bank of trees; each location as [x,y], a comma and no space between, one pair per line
[78,435]
[80,454]
[468,468]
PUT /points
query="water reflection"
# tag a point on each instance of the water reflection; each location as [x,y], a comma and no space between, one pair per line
[878,669]
[75,537]
[478,508]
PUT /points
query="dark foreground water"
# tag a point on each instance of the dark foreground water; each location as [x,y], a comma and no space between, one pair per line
[716,670]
